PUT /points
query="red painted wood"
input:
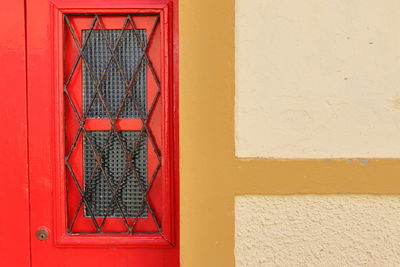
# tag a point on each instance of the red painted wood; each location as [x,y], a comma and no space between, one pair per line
[14,195]
[47,172]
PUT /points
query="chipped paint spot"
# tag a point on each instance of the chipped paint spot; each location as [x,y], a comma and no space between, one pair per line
[364,161]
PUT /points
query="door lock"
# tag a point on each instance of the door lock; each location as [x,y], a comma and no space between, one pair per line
[42,234]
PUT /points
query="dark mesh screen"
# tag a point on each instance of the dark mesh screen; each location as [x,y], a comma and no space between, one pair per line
[114,161]
[113,87]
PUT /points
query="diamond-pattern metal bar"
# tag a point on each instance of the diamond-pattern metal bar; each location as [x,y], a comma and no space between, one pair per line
[98,84]
[143,117]
[136,105]
[82,121]
[129,88]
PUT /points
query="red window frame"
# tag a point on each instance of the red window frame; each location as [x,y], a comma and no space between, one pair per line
[168,146]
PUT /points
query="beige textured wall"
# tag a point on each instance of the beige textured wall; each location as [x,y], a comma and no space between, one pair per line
[211,175]
[317,230]
[318,79]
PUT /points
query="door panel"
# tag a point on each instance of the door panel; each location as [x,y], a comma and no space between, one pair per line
[103,133]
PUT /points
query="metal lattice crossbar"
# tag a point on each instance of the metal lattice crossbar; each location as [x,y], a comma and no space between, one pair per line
[102,150]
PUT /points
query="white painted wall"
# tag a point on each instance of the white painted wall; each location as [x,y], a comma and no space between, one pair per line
[317,230]
[318,79]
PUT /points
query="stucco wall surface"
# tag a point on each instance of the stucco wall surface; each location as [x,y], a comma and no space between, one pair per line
[317,79]
[317,230]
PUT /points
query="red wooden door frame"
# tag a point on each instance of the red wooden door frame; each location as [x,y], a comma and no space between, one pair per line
[14,194]
[43,32]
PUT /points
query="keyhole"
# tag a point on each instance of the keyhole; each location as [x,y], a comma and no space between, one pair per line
[42,234]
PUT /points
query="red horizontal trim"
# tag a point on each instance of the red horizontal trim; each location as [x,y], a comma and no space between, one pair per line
[122,124]
[144,240]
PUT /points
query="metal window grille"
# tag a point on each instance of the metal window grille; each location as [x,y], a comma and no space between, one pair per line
[116,175]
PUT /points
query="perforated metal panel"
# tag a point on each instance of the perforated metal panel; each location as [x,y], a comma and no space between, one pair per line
[128,54]
[116,166]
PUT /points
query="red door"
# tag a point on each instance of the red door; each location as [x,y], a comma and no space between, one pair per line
[102,133]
